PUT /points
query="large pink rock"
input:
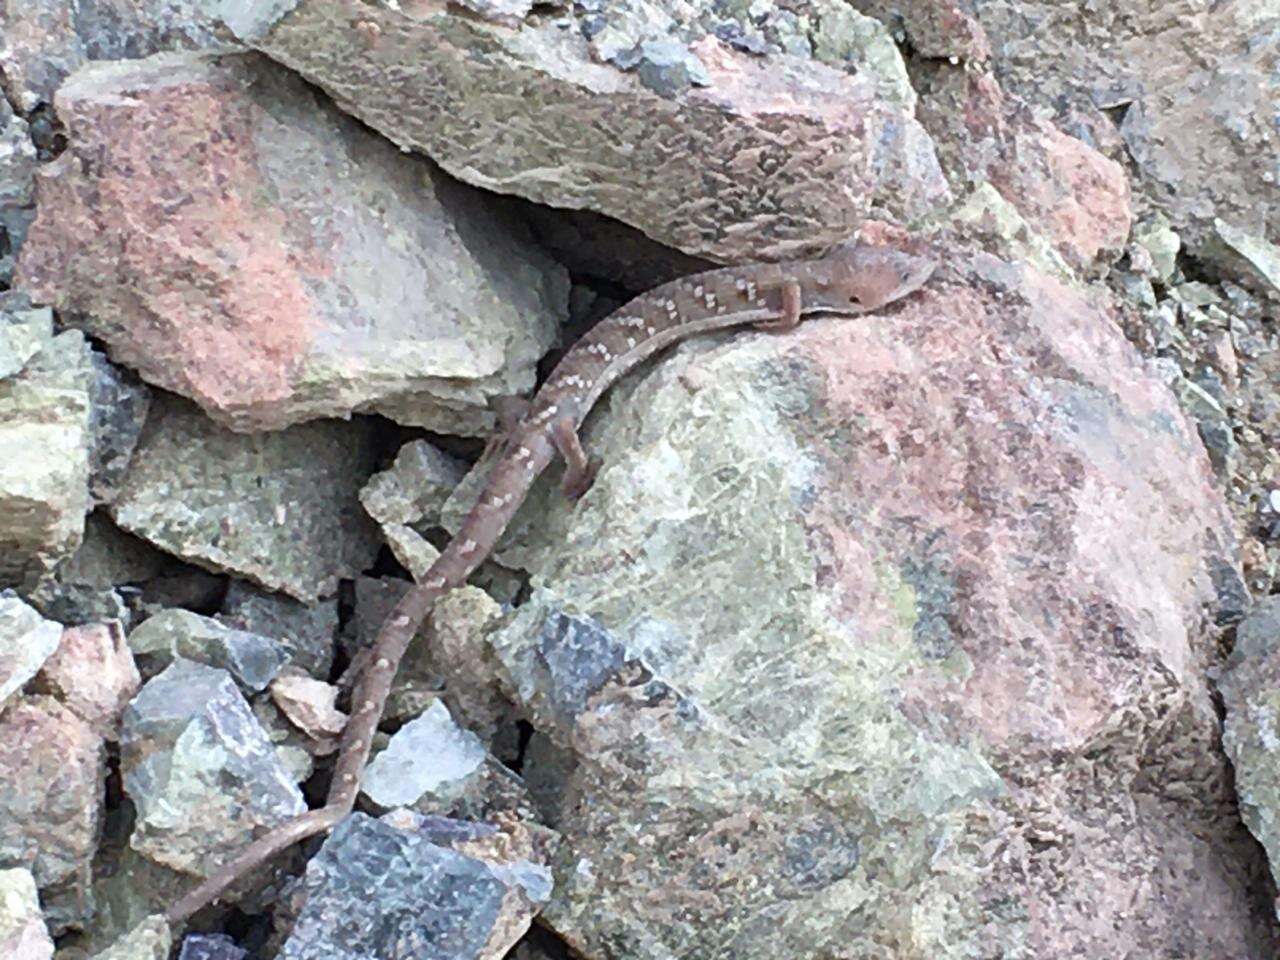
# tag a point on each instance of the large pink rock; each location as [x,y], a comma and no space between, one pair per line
[236,240]
[92,672]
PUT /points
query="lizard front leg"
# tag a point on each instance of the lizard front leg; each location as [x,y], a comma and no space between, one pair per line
[580,470]
[792,301]
[510,411]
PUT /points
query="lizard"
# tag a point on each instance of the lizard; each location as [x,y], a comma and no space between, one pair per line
[851,279]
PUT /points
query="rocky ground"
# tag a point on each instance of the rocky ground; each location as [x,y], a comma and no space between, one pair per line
[943,632]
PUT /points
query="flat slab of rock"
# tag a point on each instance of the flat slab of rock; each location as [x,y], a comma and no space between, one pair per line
[200,770]
[634,110]
[237,240]
[419,888]
[280,509]
[865,636]
[44,459]
[252,659]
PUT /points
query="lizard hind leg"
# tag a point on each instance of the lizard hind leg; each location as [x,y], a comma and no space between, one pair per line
[580,470]
[791,307]
[510,411]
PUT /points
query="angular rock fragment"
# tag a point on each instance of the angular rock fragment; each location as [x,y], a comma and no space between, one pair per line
[309,704]
[26,641]
[252,659]
[406,500]
[17,194]
[277,508]
[93,674]
[702,146]
[282,263]
[120,405]
[199,770]
[24,330]
[22,931]
[200,946]
[51,765]
[420,888]
[150,940]
[308,631]
[44,459]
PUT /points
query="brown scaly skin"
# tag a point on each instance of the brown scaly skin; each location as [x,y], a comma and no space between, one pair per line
[851,280]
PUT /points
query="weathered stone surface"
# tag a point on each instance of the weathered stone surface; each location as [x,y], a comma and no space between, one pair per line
[26,642]
[44,459]
[93,674]
[199,770]
[278,508]
[150,940]
[24,331]
[17,191]
[131,889]
[1193,84]
[637,111]
[890,638]
[22,932]
[252,659]
[414,487]
[1250,687]
[309,704]
[237,240]
[419,888]
[199,946]
[51,765]
[308,631]
[119,409]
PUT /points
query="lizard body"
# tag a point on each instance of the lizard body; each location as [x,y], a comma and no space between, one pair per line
[852,280]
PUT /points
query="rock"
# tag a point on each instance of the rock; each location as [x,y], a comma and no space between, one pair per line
[419,888]
[1250,687]
[17,194]
[1249,256]
[44,459]
[277,508]
[150,940]
[252,659]
[22,932]
[119,409]
[839,594]
[415,487]
[199,946]
[307,631]
[24,331]
[52,766]
[701,145]
[1161,243]
[93,674]
[352,279]
[26,642]
[437,767]
[127,892]
[309,704]
[199,770]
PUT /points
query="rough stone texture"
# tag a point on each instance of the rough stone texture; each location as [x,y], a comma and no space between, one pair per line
[1064,190]
[44,459]
[24,331]
[93,674]
[639,113]
[278,508]
[119,409]
[22,932]
[889,638]
[1250,687]
[307,631]
[199,770]
[51,765]
[406,499]
[17,180]
[419,888]
[150,940]
[126,894]
[309,704]
[199,946]
[252,659]
[1194,83]
[26,642]
[235,239]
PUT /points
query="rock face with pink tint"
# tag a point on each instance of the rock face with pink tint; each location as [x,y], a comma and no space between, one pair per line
[236,240]
[889,638]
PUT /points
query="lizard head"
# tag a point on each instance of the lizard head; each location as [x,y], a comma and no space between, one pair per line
[873,276]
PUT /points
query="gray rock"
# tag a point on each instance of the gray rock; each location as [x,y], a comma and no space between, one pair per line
[24,330]
[17,195]
[200,770]
[252,659]
[308,631]
[150,940]
[120,405]
[278,508]
[52,765]
[44,459]
[414,488]
[26,641]
[216,946]
[22,931]
[427,891]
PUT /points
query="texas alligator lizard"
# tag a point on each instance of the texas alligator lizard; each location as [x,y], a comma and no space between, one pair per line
[850,280]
